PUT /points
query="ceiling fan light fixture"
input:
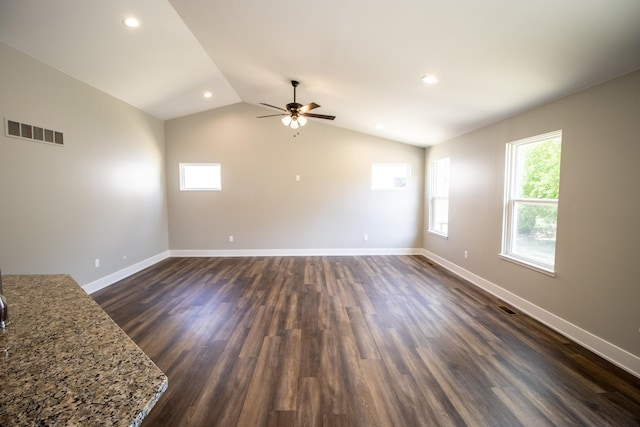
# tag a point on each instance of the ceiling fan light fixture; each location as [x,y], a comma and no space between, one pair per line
[302,120]
[286,120]
[294,123]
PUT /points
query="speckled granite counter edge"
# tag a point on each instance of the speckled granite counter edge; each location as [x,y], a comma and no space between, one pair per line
[68,362]
[143,414]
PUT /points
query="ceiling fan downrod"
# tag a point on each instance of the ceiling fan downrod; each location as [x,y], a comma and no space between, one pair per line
[295,84]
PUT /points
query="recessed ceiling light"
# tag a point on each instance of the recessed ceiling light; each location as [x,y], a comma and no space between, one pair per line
[430,79]
[207,94]
[131,22]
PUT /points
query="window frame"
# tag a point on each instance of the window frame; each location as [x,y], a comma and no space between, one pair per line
[184,166]
[393,187]
[434,195]
[511,200]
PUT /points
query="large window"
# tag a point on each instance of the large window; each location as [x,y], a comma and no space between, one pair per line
[531,201]
[390,176]
[439,197]
[200,177]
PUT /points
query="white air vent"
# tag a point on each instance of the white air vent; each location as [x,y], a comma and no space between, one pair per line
[16,129]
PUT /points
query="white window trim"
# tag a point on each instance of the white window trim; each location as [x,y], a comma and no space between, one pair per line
[392,188]
[433,198]
[441,235]
[510,201]
[213,188]
[530,266]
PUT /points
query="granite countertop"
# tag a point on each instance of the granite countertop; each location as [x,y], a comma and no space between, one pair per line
[67,361]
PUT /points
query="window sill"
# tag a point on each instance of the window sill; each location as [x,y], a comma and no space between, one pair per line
[530,266]
[440,235]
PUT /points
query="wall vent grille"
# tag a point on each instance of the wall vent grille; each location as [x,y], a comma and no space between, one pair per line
[20,130]
[506,309]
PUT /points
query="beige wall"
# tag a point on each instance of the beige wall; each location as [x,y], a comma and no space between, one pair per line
[597,286]
[262,205]
[100,196]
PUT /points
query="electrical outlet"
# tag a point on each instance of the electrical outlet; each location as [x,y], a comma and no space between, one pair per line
[297,177]
[231,238]
[97,262]
[466,254]
[365,237]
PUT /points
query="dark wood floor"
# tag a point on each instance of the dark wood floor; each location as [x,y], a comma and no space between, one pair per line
[355,341]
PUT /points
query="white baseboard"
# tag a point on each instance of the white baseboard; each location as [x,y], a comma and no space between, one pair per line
[616,355]
[132,269]
[292,252]
[112,278]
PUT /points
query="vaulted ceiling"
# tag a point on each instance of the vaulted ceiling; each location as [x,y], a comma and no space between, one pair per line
[362,61]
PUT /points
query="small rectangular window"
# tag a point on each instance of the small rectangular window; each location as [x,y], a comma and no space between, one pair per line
[200,177]
[390,176]
[532,186]
[439,197]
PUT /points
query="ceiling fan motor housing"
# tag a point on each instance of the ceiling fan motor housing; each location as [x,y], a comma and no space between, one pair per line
[294,107]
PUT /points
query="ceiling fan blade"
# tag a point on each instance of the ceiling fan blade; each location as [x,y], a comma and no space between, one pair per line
[319,116]
[308,107]
[271,115]
[273,106]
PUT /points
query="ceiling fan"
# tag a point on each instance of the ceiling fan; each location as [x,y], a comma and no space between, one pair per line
[296,114]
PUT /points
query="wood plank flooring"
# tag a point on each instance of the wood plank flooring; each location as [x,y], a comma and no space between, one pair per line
[355,341]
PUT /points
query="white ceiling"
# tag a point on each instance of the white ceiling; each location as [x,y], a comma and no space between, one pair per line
[361,60]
